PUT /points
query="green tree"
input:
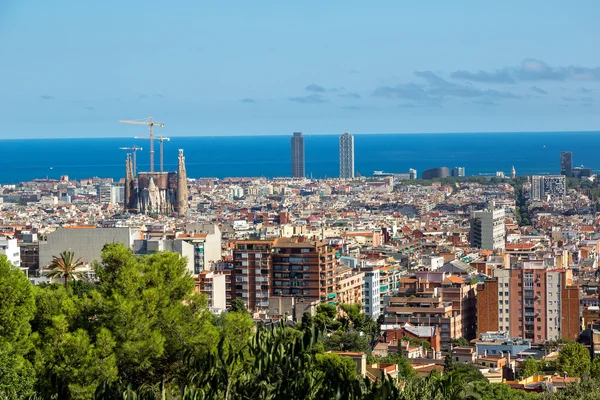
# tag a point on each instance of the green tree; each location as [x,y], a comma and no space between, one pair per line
[17,307]
[405,369]
[461,341]
[338,371]
[65,266]
[237,330]
[237,305]
[71,363]
[531,367]
[348,341]
[574,359]
[149,305]
[595,369]
[448,363]
[325,318]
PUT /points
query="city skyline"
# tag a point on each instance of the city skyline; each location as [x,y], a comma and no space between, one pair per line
[315,77]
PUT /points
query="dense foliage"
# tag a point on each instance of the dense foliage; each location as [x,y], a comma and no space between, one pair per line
[140,332]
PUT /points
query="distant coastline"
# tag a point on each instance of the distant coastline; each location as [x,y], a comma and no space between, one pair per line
[235,135]
[269,155]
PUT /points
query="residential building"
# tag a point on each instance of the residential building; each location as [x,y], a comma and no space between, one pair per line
[547,186]
[458,172]
[348,285]
[495,343]
[346,156]
[298,170]
[109,194]
[425,309]
[529,301]
[566,164]
[86,242]
[456,291]
[487,229]
[212,285]
[206,239]
[442,172]
[30,252]
[303,269]
[371,291]
[252,273]
[181,247]
[10,248]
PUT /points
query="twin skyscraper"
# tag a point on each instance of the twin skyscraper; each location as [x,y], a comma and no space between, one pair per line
[346,156]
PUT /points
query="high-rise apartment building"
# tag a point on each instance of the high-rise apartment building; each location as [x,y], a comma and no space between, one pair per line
[212,285]
[346,156]
[371,292]
[487,229]
[458,172]
[303,269]
[543,186]
[432,173]
[529,301]
[566,164]
[252,273]
[298,156]
[434,298]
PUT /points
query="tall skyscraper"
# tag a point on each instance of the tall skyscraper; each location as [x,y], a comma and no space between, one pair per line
[566,164]
[346,156]
[298,156]
[458,172]
[487,229]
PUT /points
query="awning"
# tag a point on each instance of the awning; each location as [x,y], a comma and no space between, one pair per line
[331,296]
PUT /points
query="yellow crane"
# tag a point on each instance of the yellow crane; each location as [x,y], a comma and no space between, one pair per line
[151,124]
[161,139]
[135,150]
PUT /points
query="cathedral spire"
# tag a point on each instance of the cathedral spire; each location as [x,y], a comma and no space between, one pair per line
[182,190]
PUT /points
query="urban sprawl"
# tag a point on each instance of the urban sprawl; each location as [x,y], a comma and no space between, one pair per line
[497,272]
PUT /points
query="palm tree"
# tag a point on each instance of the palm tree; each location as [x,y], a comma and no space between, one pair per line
[63,266]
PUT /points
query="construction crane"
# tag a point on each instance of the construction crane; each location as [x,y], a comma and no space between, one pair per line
[161,139]
[135,150]
[151,124]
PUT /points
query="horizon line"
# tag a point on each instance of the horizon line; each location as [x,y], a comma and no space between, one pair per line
[311,134]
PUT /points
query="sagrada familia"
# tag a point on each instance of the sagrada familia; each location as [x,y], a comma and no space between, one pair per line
[158,193]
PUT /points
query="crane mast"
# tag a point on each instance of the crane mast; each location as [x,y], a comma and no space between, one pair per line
[134,149]
[161,139]
[151,124]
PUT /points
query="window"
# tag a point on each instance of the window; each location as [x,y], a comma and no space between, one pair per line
[506,319]
[506,311]
[550,286]
[505,301]
[506,293]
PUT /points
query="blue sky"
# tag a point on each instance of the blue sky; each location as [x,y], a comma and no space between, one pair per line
[73,68]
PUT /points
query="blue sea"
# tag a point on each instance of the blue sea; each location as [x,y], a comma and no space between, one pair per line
[269,156]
